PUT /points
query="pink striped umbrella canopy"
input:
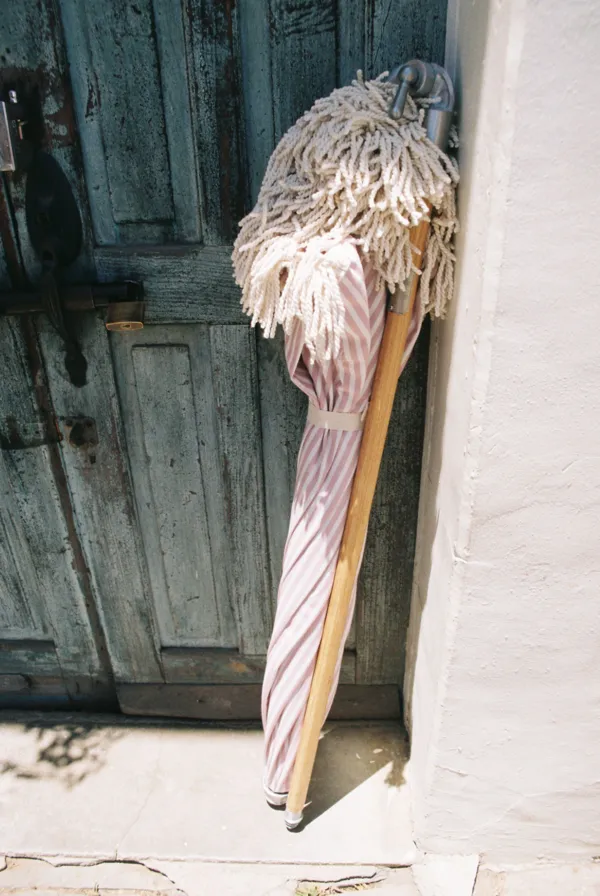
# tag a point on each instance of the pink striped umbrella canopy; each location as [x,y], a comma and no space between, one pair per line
[326,465]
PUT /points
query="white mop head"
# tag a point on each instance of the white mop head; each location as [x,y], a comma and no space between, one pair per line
[345,171]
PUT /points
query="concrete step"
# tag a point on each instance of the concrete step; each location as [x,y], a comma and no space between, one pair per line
[106,788]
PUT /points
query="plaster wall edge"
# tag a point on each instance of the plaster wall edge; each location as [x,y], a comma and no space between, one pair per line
[497,98]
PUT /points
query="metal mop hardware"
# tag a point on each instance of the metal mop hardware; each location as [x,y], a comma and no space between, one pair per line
[417,79]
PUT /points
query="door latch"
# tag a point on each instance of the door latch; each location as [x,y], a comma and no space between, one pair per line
[20,115]
[12,122]
[7,150]
[122,302]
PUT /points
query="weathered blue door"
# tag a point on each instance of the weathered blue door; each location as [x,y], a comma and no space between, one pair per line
[141,566]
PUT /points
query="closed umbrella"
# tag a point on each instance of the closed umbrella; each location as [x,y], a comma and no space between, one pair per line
[330,234]
[338,392]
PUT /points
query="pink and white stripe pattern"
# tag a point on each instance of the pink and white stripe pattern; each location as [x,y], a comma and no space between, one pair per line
[326,465]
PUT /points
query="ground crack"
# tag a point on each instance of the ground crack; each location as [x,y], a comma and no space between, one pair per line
[342,885]
[95,863]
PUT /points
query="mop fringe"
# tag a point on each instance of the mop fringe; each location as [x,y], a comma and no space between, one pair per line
[346,171]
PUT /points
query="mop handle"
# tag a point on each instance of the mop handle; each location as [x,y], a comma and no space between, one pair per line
[355,531]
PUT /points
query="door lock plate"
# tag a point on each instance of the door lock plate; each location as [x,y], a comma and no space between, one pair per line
[7,152]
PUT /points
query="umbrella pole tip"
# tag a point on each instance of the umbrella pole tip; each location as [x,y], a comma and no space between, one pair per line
[293,820]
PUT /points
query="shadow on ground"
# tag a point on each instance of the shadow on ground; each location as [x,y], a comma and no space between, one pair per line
[348,756]
[67,751]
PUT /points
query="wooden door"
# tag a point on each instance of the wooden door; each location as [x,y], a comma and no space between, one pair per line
[144,563]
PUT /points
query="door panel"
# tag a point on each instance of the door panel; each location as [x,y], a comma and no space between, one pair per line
[193,607]
[158,119]
[45,627]
[121,69]
[145,513]
[100,490]
[195,452]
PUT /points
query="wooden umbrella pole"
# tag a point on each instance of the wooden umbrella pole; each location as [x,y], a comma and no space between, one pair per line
[355,531]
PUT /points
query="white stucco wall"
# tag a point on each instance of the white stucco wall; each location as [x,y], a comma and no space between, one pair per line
[503,678]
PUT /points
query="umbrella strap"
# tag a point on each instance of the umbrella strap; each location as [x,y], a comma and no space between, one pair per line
[343,420]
